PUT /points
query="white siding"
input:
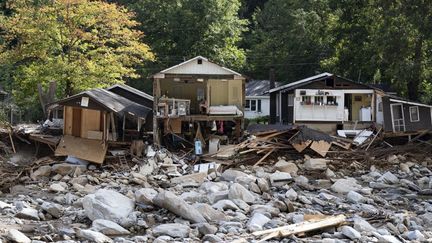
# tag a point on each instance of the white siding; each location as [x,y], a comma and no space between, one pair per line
[265,107]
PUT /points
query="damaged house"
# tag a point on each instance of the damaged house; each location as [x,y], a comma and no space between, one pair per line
[198,97]
[95,119]
[257,98]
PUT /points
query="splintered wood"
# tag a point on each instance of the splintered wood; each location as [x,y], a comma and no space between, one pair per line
[303,227]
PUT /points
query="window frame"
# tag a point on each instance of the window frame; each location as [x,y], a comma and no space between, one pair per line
[247,105]
[416,108]
[251,105]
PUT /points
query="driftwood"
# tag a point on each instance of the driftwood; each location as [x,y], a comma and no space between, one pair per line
[303,227]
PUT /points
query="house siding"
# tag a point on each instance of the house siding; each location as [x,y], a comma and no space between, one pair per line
[424,113]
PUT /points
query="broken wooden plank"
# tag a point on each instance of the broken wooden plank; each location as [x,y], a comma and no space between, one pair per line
[373,139]
[301,146]
[264,157]
[321,147]
[301,227]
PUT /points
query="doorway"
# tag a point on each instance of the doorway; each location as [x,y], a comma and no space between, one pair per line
[76,122]
[398,120]
[348,105]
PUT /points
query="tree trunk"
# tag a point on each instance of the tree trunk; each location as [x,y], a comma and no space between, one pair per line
[68,88]
[415,79]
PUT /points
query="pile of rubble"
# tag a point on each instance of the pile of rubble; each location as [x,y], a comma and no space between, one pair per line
[162,199]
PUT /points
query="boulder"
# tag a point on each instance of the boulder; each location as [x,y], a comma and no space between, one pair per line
[145,195]
[288,167]
[315,164]
[345,185]
[174,230]
[66,169]
[93,236]
[57,187]
[209,213]
[291,195]
[225,204]
[280,178]
[16,236]
[257,221]
[362,225]
[355,197]
[416,235]
[54,209]
[350,233]
[28,213]
[109,205]
[178,206]
[389,178]
[263,185]
[42,171]
[231,175]
[206,228]
[108,227]
[237,191]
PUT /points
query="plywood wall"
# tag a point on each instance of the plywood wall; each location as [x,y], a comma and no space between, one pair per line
[366,101]
[67,118]
[90,121]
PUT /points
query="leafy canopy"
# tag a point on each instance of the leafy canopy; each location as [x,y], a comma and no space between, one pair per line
[81,44]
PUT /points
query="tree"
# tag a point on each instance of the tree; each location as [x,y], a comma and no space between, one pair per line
[289,36]
[180,29]
[81,44]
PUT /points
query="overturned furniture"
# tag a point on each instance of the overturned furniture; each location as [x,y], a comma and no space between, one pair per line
[95,119]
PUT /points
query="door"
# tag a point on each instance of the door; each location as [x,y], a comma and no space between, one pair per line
[397,117]
[348,105]
[76,122]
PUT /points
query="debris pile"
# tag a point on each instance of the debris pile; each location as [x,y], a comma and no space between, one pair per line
[163,197]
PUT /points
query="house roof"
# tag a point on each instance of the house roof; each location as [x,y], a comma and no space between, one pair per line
[302,82]
[192,67]
[259,87]
[398,99]
[132,90]
[112,102]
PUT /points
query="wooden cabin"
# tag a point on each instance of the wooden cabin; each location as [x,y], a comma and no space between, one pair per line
[95,118]
[197,91]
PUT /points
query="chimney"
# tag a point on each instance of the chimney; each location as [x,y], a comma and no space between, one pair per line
[272,78]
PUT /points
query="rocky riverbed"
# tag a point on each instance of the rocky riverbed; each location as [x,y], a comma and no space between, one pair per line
[161,200]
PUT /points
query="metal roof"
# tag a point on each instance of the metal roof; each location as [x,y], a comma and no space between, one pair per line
[258,87]
[112,102]
[132,90]
[301,82]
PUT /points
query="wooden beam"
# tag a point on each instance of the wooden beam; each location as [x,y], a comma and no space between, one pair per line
[264,157]
[113,126]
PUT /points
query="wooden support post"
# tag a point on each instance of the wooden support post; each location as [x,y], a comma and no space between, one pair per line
[238,129]
[156,95]
[113,127]
[124,127]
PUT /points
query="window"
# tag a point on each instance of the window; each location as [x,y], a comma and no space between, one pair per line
[306,100]
[200,94]
[331,100]
[253,105]
[290,99]
[259,105]
[329,82]
[319,100]
[199,61]
[247,106]
[380,106]
[414,114]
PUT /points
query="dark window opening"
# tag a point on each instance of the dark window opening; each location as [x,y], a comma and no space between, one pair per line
[199,61]
[259,105]
[329,82]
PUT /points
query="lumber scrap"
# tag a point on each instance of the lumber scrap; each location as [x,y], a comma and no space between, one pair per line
[264,157]
[301,146]
[321,147]
[298,228]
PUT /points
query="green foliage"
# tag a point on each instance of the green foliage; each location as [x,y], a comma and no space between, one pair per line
[81,44]
[181,29]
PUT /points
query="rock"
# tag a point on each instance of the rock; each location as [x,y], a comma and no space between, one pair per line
[174,230]
[225,204]
[315,164]
[4,205]
[209,213]
[109,205]
[108,227]
[93,236]
[241,204]
[57,187]
[212,239]
[257,221]
[237,191]
[148,167]
[211,187]
[145,195]
[415,235]
[280,178]
[197,178]
[329,173]
[291,195]
[28,213]
[405,167]
[66,169]
[82,180]
[217,196]
[345,185]
[362,225]
[355,197]
[54,209]
[206,228]
[42,171]
[389,238]
[178,206]
[16,236]
[231,175]
[350,232]
[393,159]
[263,185]
[288,167]
[389,178]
